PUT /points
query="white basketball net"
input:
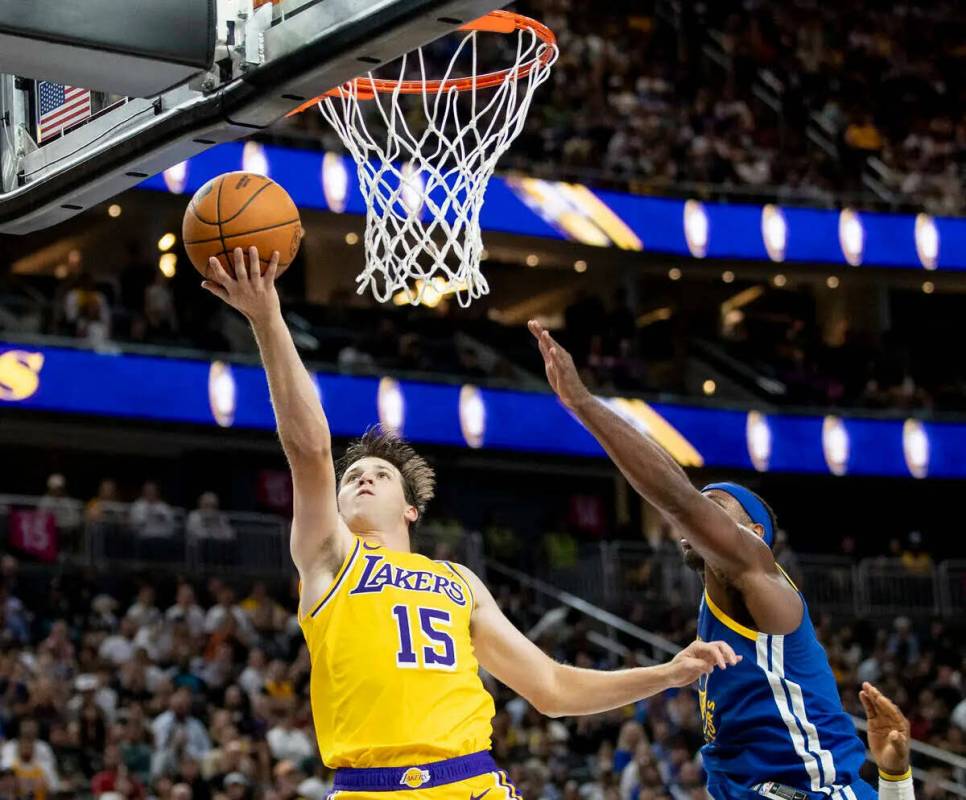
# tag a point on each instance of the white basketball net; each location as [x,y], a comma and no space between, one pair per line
[424,162]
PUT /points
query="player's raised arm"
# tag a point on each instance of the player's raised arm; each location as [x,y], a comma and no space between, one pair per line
[652,472]
[558,690]
[320,539]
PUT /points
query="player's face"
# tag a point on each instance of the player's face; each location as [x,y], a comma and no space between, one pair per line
[371,495]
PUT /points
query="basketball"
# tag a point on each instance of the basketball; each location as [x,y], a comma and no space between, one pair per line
[241,209]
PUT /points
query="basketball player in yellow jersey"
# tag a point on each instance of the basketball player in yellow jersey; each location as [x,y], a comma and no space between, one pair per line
[396,640]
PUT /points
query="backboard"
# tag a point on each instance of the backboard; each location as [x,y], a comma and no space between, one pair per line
[266,62]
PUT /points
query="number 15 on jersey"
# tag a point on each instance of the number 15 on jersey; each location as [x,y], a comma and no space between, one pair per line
[434,649]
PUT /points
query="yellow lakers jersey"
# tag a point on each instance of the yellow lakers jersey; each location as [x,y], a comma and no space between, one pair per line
[394,678]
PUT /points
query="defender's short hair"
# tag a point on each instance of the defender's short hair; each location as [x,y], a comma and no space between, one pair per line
[418,477]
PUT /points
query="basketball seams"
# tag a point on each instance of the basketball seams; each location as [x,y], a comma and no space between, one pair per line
[243,233]
[221,232]
[246,204]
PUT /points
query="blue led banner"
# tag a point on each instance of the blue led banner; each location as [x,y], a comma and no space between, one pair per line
[61,380]
[567,211]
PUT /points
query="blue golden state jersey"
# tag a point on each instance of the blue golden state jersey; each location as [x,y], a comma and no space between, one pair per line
[776,719]
[394,678]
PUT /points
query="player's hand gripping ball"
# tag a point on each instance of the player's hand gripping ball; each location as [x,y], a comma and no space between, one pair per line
[241,209]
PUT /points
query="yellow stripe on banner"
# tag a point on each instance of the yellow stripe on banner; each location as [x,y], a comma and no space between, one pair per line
[727,621]
[603,216]
[662,431]
[896,778]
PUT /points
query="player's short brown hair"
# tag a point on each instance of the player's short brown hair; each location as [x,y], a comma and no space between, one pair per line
[418,477]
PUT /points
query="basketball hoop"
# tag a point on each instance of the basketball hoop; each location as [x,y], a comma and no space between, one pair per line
[424,164]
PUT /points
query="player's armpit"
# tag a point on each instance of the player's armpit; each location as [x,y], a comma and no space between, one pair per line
[506,653]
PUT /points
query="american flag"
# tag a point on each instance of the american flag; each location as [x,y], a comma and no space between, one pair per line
[59,107]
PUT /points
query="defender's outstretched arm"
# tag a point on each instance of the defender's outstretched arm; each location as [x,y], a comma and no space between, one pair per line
[558,690]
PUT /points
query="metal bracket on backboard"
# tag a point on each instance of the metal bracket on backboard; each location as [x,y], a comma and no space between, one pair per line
[309,47]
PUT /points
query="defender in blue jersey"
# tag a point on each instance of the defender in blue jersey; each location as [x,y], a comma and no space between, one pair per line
[774,724]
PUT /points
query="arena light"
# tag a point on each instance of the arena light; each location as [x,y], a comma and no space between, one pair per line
[758,437]
[650,317]
[413,189]
[222,393]
[168,264]
[696,228]
[927,241]
[674,274]
[741,299]
[915,448]
[774,232]
[255,159]
[114,211]
[851,236]
[533,260]
[166,242]
[709,387]
[176,177]
[335,182]
[928,287]
[484,254]
[580,265]
[728,276]
[832,282]
[835,445]
[391,405]
[472,416]
[428,294]
[779,280]
[352,238]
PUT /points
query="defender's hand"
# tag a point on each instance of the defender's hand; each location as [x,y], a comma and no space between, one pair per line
[561,372]
[249,292]
[700,658]
[888,731]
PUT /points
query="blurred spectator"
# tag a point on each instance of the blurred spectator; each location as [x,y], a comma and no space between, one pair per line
[915,558]
[66,510]
[289,741]
[118,648]
[227,622]
[177,733]
[143,610]
[114,777]
[153,522]
[159,309]
[207,522]
[185,608]
[104,506]
[86,311]
[32,761]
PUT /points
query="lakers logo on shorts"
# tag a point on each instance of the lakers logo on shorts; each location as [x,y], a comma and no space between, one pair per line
[414,777]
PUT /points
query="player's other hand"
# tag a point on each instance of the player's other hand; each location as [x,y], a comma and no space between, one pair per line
[561,372]
[250,292]
[700,658]
[888,731]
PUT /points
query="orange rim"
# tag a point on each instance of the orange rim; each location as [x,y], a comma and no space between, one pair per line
[506,22]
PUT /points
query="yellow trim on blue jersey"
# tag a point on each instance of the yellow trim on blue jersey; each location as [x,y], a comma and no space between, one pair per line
[896,778]
[724,619]
[336,580]
[787,578]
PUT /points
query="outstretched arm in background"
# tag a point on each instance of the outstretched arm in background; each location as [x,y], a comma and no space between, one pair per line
[731,550]
[320,539]
[558,690]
